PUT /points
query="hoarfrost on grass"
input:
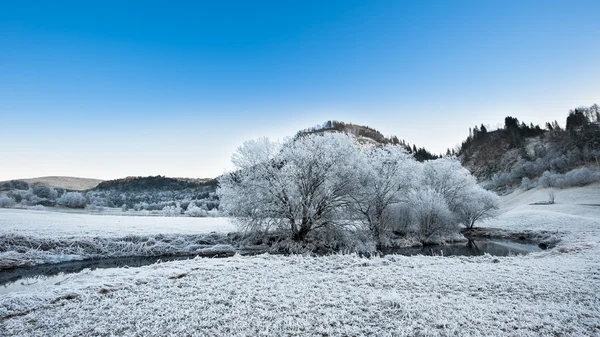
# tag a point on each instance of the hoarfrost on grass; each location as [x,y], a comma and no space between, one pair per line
[30,238]
[556,292]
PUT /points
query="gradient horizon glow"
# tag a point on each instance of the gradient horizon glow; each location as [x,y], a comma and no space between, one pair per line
[112,89]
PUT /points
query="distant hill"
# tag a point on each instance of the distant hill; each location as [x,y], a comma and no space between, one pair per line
[156,183]
[155,193]
[67,183]
[368,136]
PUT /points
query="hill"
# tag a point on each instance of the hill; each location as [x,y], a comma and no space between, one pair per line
[67,183]
[155,193]
[525,155]
[368,136]
[155,183]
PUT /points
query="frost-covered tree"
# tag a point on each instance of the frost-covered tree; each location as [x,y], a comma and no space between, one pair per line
[450,179]
[478,204]
[45,192]
[431,212]
[465,199]
[299,186]
[72,200]
[386,177]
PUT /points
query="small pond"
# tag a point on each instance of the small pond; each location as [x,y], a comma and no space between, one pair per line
[24,278]
[471,248]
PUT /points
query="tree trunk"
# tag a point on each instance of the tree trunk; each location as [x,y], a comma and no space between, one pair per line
[300,235]
[305,226]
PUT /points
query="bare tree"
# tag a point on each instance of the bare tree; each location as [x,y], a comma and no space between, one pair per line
[388,173]
[299,186]
[478,205]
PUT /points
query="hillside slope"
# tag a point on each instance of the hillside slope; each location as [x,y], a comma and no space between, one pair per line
[529,156]
[67,183]
[368,136]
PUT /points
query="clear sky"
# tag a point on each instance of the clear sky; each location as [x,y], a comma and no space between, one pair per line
[109,89]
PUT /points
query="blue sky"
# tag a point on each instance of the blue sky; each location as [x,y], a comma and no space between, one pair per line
[106,89]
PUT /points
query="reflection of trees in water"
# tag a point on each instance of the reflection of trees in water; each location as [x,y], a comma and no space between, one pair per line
[472,247]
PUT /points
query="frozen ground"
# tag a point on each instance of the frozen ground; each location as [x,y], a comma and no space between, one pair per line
[34,237]
[553,293]
[56,224]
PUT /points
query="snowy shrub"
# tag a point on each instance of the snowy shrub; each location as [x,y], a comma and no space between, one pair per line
[72,200]
[124,207]
[45,192]
[582,176]
[527,184]
[551,196]
[195,211]
[503,179]
[214,213]
[6,202]
[577,177]
[549,179]
[172,210]
[17,196]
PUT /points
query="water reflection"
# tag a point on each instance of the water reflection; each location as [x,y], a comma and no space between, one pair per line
[23,278]
[471,248]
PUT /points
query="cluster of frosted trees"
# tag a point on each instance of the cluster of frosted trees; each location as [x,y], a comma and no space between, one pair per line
[189,202]
[318,183]
[42,195]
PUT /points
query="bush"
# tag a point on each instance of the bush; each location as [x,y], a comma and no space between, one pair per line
[45,192]
[527,184]
[581,177]
[16,196]
[578,177]
[6,202]
[172,210]
[72,200]
[195,211]
[14,185]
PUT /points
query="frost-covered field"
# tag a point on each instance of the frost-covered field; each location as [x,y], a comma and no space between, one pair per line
[556,292]
[34,237]
[55,224]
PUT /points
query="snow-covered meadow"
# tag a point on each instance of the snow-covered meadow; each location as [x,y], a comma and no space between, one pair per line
[555,292]
[35,237]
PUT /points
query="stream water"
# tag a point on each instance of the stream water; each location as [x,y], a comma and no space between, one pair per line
[24,278]
[471,248]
